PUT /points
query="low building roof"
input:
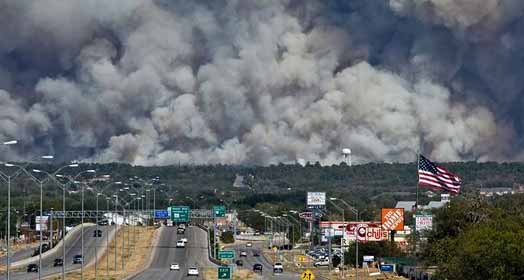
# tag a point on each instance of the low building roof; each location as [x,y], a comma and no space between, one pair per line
[407,205]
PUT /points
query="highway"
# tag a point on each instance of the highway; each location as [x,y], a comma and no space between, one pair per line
[165,253]
[250,260]
[19,255]
[73,247]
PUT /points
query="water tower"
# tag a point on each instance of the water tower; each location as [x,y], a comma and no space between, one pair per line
[347,155]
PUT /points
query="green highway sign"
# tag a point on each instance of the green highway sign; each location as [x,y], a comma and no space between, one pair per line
[226,254]
[219,211]
[224,272]
[179,214]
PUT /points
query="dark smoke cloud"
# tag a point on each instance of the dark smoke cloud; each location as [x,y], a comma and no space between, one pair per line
[246,81]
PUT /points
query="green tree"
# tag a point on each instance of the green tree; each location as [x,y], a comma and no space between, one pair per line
[492,250]
[227,237]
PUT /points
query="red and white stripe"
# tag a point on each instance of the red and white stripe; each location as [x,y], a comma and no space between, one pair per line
[442,180]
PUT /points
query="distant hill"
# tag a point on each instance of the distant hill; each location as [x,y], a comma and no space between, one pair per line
[379,183]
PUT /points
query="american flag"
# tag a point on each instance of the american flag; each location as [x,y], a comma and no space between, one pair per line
[435,177]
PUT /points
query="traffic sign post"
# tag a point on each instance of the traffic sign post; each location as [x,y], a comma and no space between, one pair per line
[219,211]
[307,275]
[180,214]
[224,272]
[226,254]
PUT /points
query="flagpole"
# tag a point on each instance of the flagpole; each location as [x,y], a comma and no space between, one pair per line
[415,215]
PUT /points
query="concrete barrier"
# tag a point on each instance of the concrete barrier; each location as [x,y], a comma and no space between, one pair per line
[211,259]
[72,233]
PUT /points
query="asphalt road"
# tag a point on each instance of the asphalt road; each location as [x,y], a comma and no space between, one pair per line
[73,247]
[19,255]
[250,260]
[194,254]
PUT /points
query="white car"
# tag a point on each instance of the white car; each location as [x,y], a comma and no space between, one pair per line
[243,253]
[180,244]
[184,240]
[321,263]
[174,266]
[278,268]
[249,244]
[192,271]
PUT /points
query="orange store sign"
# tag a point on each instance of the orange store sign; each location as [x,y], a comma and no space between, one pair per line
[393,218]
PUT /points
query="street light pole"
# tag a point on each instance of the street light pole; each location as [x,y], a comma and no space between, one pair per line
[107,240]
[355,211]
[82,230]
[96,240]
[12,142]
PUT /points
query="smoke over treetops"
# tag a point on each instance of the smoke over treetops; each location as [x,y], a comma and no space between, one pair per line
[259,82]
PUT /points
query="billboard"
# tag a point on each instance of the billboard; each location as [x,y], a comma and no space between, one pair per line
[306,216]
[424,222]
[366,231]
[41,221]
[316,199]
[393,218]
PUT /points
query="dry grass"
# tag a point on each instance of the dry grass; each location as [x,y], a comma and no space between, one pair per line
[135,255]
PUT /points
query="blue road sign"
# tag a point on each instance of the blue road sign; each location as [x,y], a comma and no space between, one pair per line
[387,267]
[161,214]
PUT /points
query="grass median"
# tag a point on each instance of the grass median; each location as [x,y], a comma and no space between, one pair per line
[133,247]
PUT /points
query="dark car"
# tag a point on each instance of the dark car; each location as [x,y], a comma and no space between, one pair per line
[257,267]
[58,262]
[256,254]
[103,223]
[239,263]
[77,259]
[97,233]
[32,268]
[45,247]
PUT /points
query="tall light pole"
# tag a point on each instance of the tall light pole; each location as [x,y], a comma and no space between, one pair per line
[21,169]
[299,223]
[54,177]
[8,179]
[74,181]
[98,193]
[107,240]
[355,211]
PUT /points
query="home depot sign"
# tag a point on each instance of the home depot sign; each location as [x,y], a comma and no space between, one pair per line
[393,218]
[366,231]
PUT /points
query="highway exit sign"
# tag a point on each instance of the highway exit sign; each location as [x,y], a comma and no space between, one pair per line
[224,272]
[226,254]
[219,211]
[179,214]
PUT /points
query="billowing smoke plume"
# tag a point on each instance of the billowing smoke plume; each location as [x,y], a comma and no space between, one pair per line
[262,81]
